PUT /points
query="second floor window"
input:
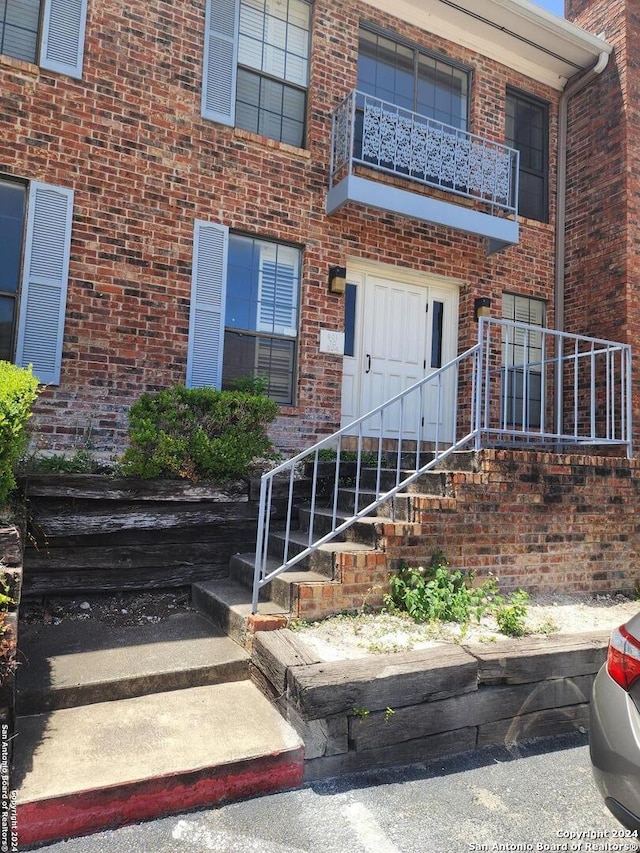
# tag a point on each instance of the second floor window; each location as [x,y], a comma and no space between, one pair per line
[410,78]
[527,130]
[256,66]
[273,67]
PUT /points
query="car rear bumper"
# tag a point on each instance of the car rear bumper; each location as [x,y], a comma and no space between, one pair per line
[614,744]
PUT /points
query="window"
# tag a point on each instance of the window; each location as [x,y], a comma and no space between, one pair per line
[35,236]
[527,130]
[523,360]
[261,319]
[19,28]
[12,219]
[410,78]
[244,311]
[350,296]
[257,66]
[48,32]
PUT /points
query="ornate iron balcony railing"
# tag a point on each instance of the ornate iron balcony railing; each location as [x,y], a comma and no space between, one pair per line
[370,132]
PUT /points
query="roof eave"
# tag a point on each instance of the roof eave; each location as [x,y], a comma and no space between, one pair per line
[517,33]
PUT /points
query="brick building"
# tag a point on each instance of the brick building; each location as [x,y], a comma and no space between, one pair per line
[177,183]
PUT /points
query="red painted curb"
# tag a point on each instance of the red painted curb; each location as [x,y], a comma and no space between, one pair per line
[106,808]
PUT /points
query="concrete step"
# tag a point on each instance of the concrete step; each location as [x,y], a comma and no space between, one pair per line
[461,460]
[228,604]
[361,532]
[322,560]
[280,590]
[80,770]
[434,482]
[84,661]
[402,507]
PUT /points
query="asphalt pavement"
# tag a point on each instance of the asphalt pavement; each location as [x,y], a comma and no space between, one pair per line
[539,797]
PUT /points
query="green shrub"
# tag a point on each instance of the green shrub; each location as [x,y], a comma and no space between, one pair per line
[18,391]
[437,594]
[197,433]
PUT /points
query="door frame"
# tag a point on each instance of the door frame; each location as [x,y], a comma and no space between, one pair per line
[353,366]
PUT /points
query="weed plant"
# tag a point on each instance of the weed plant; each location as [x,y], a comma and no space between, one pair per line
[436,593]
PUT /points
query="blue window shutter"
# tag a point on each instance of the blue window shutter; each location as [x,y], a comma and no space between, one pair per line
[220,60]
[43,294]
[63,25]
[208,292]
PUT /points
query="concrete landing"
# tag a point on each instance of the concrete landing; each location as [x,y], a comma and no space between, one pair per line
[79,770]
[85,661]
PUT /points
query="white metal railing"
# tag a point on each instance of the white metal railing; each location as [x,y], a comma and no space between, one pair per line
[518,384]
[375,133]
[541,386]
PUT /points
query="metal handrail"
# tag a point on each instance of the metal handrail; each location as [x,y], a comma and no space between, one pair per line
[593,405]
[356,430]
[500,408]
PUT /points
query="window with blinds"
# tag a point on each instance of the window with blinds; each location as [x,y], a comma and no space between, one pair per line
[47,32]
[19,28]
[261,314]
[12,224]
[273,68]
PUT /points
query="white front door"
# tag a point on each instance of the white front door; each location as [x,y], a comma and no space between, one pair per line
[398,330]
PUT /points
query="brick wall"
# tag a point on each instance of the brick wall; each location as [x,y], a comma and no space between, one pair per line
[603,271]
[129,139]
[540,521]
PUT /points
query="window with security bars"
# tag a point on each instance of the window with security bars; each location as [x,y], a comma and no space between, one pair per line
[527,130]
[261,315]
[273,68]
[523,361]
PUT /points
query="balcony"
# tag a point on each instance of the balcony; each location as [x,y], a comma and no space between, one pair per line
[438,173]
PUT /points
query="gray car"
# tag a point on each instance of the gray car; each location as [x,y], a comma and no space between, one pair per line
[614,737]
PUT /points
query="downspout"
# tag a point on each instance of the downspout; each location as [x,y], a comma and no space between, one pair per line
[575,84]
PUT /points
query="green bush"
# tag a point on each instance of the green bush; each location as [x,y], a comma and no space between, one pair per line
[18,391]
[437,594]
[198,433]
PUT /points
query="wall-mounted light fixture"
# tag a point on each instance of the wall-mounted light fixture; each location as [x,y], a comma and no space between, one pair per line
[481,307]
[337,279]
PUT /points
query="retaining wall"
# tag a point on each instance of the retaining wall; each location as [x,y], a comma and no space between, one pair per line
[400,709]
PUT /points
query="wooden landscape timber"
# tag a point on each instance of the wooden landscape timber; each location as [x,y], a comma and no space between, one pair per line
[93,533]
[417,706]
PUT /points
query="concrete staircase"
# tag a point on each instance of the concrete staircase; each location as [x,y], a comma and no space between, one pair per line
[344,574]
[118,725]
[121,724]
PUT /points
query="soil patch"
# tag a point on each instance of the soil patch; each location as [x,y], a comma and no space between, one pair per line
[123,608]
[362,634]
